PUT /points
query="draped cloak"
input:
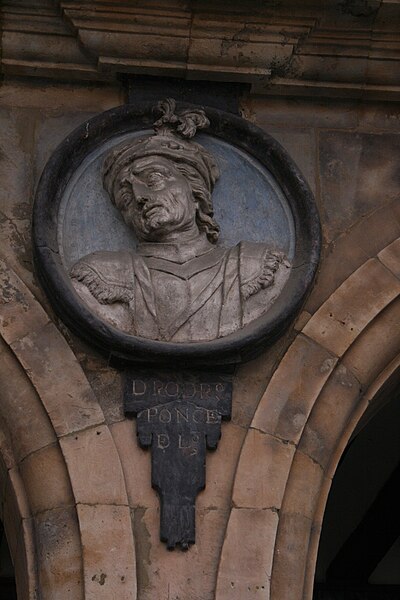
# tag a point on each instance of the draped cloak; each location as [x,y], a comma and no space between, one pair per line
[180,292]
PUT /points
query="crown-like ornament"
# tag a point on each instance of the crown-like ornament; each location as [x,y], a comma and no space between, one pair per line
[185,123]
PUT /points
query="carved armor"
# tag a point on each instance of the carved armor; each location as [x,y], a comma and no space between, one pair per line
[183,292]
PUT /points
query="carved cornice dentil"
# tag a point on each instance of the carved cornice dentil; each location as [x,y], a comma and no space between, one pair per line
[337,47]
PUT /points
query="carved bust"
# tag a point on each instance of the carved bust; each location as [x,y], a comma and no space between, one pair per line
[179,285]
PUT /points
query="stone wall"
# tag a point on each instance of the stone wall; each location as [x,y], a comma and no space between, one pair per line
[79,513]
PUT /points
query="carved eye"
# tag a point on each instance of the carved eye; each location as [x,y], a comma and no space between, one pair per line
[155,178]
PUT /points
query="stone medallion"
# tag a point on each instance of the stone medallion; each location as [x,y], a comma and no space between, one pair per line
[174,233]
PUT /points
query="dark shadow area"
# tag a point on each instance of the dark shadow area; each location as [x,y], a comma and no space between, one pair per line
[359,551]
[222,95]
[358,592]
[7,580]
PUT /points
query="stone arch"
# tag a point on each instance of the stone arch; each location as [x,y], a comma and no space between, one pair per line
[41,505]
[375,396]
[16,517]
[61,460]
[310,408]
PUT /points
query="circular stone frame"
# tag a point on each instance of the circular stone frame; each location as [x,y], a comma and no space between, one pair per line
[236,347]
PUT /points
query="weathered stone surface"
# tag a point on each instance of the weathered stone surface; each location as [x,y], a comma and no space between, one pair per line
[26,577]
[4,466]
[59,554]
[20,407]
[246,559]
[98,478]
[290,560]
[7,459]
[324,46]
[390,257]
[135,463]
[221,469]
[354,304]
[303,486]
[358,174]
[297,112]
[376,347]
[109,566]
[20,313]
[15,508]
[21,122]
[316,533]
[293,389]
[301,320]
[50,131]
[330,415]
[262,472]
[352,248]
[301,145]
[17,187]
[378,117]
[165,575]
[251,379]
[351,72]
[59,98]
[107,386]
[46,479]
[58,378]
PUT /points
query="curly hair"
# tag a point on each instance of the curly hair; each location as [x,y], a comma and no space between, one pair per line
[205,211]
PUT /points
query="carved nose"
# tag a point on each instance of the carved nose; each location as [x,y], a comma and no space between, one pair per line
[142,201]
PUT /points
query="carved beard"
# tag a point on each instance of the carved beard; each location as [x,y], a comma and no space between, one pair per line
[160,210]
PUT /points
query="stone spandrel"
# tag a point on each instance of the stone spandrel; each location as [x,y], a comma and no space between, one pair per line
[169,294]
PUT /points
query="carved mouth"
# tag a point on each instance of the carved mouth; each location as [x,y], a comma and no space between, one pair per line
[151,209]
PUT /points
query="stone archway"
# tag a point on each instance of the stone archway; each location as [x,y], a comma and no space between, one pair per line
[51,420]
[359,516]
[311,406]
[15,514]
[67,510]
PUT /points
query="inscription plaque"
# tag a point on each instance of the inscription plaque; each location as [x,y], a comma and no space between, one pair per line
[179,418]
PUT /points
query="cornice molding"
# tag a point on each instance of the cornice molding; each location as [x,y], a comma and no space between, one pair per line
[337,47]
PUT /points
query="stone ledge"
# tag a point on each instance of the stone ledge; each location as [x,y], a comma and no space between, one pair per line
[289,49]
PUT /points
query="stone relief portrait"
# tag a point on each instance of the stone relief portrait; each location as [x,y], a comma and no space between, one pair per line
[180,284]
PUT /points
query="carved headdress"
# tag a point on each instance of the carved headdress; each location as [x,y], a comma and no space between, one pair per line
[172,140]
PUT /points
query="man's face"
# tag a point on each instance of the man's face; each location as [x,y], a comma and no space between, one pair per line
[156,200]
